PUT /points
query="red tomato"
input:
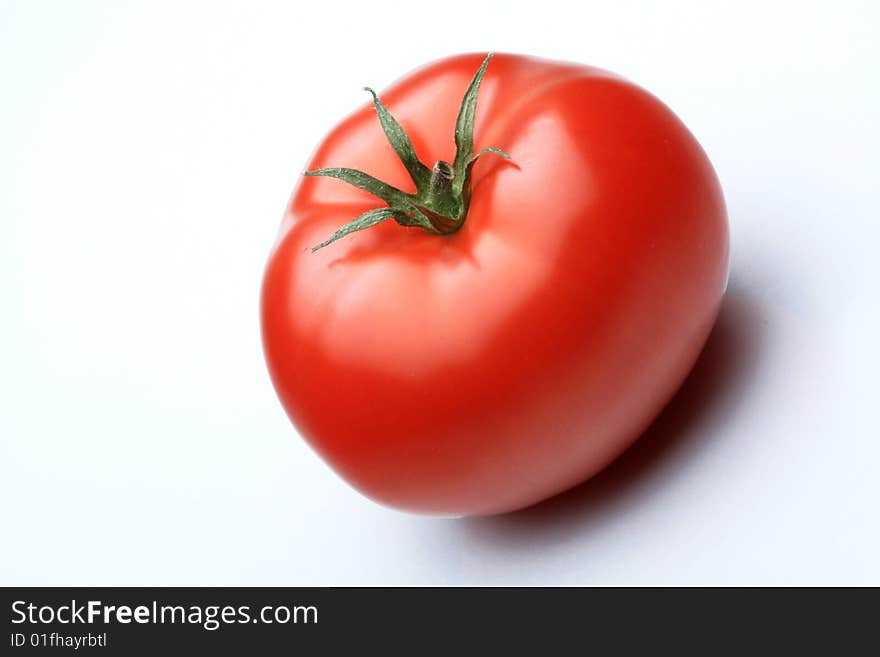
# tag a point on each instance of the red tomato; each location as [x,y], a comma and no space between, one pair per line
[484,370]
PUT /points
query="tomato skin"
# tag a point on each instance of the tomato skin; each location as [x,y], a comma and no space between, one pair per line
[483,371]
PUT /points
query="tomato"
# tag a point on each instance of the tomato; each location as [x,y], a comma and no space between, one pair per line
[479,364]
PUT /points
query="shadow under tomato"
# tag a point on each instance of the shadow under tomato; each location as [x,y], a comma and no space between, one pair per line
[713,389]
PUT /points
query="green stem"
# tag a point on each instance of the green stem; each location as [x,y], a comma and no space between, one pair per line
[442,196]
[440,193]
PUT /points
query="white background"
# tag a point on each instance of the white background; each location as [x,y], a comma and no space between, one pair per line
[146,154]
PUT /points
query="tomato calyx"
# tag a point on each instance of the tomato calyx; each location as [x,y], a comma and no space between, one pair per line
[443,193]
